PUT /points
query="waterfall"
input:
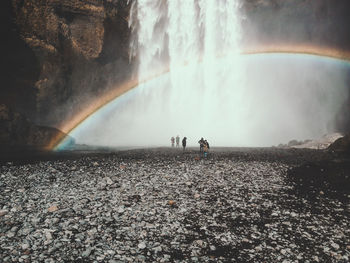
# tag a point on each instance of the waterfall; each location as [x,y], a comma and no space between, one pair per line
[174,33]
[195,82]
[190,39]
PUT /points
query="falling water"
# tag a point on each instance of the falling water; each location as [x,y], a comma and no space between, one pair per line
[192,39]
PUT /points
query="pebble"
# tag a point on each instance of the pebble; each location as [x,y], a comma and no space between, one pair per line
[258,248]
[141,245]
[52,208]
[108,181]
[87,252]
[294,214]
[25,246]
[335,246]
[3,212]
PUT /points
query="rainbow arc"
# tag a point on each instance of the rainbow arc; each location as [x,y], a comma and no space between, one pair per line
[69,125]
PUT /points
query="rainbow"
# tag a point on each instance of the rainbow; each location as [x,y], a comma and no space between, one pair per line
[300,49]
[68,125]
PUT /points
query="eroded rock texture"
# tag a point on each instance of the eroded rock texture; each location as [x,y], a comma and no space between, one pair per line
[59,54]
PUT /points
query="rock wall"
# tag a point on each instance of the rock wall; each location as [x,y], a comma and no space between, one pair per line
[17,131]
[65,52]
[19,65]
[292,22]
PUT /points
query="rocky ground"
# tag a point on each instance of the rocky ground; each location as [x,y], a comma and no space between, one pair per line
[163,205]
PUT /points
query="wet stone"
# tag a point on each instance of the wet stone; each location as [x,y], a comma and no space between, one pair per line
[87,252]
[335,246]
[3,212]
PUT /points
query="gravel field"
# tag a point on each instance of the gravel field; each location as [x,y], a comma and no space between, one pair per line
[165,205]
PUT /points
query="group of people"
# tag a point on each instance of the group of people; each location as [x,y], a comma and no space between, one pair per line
[184,142]
[203,147]
[203,144]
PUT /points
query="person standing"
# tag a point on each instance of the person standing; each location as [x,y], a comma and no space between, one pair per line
[207,143]
[177,141]
[201,144]
[206,148]
[172,141]
[184,143]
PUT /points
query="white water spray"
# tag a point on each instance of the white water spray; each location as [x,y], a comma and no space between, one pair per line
[191,39]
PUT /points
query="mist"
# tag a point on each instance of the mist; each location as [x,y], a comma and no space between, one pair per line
[213,91]
[278,97]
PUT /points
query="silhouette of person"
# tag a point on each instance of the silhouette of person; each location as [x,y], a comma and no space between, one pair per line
[201,145]
[172,141]
[206,148]
[184,143]
[207,143]
[178,141]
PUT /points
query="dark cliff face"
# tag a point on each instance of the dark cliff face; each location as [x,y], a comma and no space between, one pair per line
[17,131]
[62,53]
[19,65]
[321,23]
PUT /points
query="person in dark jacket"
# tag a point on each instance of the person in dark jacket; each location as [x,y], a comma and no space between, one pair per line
[201,145]
[184,143]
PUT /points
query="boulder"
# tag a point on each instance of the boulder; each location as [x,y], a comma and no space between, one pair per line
[341,145]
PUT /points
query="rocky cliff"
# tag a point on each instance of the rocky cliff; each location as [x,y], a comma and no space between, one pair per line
[17,132]
[60,53]
[297,22]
